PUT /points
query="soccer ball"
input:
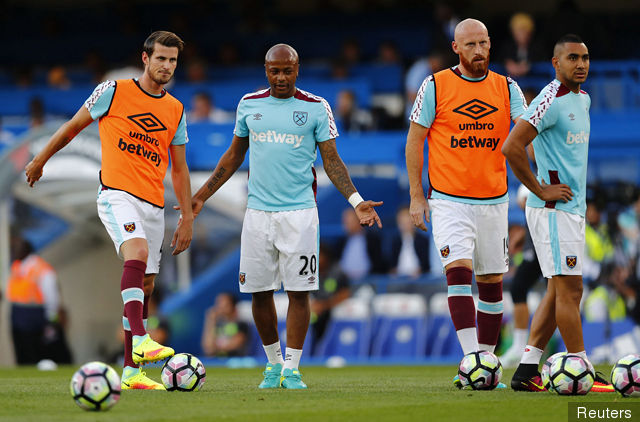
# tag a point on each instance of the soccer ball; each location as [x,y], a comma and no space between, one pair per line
[183,372]
[544,374]
[95,386]
[480,370]
[571,375]
[625,376]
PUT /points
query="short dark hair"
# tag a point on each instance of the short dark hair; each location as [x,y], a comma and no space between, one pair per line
[166,38]
[567,38]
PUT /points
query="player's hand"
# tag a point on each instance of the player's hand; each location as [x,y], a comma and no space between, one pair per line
[33,171]
[559,192]
[367,215]
[419,212]
[182,236]
[196,206]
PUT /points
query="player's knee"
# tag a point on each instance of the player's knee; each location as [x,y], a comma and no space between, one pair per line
[299,298]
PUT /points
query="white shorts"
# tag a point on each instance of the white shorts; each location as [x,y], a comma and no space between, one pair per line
[279,248]
[127,217]
[558,237]
[476,232]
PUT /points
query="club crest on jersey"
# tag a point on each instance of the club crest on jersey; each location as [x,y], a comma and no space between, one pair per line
[130,227]
[242,278]
[444,252]
[572,260]
[300,117]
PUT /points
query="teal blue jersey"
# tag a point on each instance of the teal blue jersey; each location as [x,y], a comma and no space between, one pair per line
[424,113]
[561,118]
[282,136]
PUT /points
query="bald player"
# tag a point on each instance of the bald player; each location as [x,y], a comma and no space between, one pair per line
[465,112]
[282,126]
[558,126]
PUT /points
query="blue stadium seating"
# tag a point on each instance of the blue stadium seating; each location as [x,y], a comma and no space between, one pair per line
[347,338]
[400,337]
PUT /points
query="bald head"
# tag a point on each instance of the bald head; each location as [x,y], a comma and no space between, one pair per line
[469,27]
[281,53]
[471,43]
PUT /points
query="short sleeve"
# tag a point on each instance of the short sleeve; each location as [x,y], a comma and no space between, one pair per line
[326,126]
[516,99]
[424,107]
[541,114]
[99,101]
[241,130]
[181,137]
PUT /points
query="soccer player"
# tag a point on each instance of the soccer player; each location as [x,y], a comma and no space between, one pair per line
[282,126]
[140,123]
[465,112]
[557,123]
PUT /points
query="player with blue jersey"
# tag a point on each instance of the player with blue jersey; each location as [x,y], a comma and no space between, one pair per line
[558,124]
[282,126]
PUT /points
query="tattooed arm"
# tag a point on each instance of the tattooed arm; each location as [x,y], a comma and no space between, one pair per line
[59,140]
[339,176]
[228,164]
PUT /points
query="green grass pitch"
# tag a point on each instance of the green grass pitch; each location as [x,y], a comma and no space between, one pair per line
[387,393]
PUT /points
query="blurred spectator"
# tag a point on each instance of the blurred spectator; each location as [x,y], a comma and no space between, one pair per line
[339,70]
[333,289]
[350,53]
[228,54]
[388,54]
[36,112]
[360,250]
[24,77]
[196,70]
[57,78]
[445,25]
[203,109]
[598,244]
[417,73]
[350,118]
[95,63]
[409,249]
[629,223]
[36,316]
[519,52]
[223,334]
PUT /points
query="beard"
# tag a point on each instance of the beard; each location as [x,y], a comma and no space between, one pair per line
[478,68]
[160,79]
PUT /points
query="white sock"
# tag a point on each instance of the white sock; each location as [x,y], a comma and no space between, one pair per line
[468,338]
[487,347]
[292,358]
[520,336]
[274,353]
[531,355]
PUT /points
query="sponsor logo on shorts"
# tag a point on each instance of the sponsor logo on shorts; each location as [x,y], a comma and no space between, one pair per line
[444,252]
[312,280]
[300,117]
[242,278]
[572,260]
[130,227]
